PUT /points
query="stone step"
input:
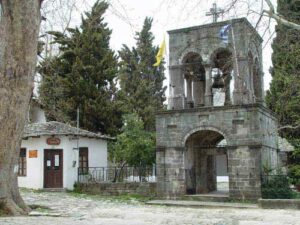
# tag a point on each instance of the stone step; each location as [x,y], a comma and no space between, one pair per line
[200,204]
[54,189]
[207,197]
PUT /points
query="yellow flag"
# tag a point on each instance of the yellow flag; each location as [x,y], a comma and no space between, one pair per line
[160,53]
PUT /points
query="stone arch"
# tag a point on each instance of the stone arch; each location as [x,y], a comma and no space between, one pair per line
[186,51]
[253,48]
[194,77]
[203,128]
[204,159]
[218,58]
[222,68]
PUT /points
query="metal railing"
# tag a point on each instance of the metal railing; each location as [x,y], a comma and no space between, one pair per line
[116,174]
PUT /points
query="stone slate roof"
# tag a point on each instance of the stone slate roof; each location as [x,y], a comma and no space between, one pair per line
[58,128]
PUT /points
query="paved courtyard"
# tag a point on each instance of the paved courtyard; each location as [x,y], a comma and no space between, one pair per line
[70,209]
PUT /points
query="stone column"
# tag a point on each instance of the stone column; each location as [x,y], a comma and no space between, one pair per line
[227,79]
[198,92]
[177,99]
[208,84]
[189,92]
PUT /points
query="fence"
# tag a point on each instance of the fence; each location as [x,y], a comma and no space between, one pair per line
[116,174]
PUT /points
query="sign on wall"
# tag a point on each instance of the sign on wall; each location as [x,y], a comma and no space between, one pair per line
[53,141]
[33,153]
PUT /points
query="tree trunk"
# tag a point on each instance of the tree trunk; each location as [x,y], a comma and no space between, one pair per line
[19,28]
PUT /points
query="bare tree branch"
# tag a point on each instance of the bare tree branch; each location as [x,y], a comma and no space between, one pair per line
[289,127]
[272,14]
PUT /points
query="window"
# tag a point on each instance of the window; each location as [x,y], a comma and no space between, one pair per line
[22,163]
[83,160]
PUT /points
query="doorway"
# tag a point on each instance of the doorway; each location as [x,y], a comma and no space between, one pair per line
[206,163]
[53,168]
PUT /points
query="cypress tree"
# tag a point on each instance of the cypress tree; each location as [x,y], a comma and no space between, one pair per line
[83,76]
[284,94]
[141,83]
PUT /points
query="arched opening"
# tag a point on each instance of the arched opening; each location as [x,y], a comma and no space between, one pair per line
[222,69]
[206,163]
[194,75]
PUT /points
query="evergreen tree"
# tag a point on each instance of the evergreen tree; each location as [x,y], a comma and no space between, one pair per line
[284,94]
[82,76]
[141,83]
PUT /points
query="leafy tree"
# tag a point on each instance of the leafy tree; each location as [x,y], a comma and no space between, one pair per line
[141,83]
[82,76]
[134,146]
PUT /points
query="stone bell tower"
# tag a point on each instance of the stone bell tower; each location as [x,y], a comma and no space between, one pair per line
[215,110]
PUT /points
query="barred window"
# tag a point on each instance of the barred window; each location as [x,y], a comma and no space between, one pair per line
[83,160]
[22,162]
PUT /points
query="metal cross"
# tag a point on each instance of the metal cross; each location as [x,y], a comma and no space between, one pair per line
[214,11]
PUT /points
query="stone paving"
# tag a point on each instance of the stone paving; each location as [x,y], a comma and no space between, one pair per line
[70,209]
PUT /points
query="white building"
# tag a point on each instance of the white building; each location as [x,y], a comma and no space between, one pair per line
[53,153]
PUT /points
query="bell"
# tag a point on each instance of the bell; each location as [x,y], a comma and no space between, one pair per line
[218,82]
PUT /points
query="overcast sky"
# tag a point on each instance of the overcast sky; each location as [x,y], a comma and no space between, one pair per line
[125,17]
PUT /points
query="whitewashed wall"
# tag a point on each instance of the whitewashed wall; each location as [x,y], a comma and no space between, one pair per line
[35,166]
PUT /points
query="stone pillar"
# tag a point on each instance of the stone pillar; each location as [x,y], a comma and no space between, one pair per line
[244,169]
[208,84]
[227,79]
[189,92]
[177,98]
[241,92]
[198,92]
[170,172]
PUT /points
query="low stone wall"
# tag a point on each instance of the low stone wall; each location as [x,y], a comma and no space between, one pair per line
[279,203]
[145,189]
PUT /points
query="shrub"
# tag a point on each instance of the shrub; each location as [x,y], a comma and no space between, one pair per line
[276,187]
[294,174]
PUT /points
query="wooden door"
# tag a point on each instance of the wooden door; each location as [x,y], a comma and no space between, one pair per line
[53,168]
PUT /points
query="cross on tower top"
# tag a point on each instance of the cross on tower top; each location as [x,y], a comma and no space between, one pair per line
[215,12]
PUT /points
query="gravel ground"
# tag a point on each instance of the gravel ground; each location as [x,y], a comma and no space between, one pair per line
[70,209]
